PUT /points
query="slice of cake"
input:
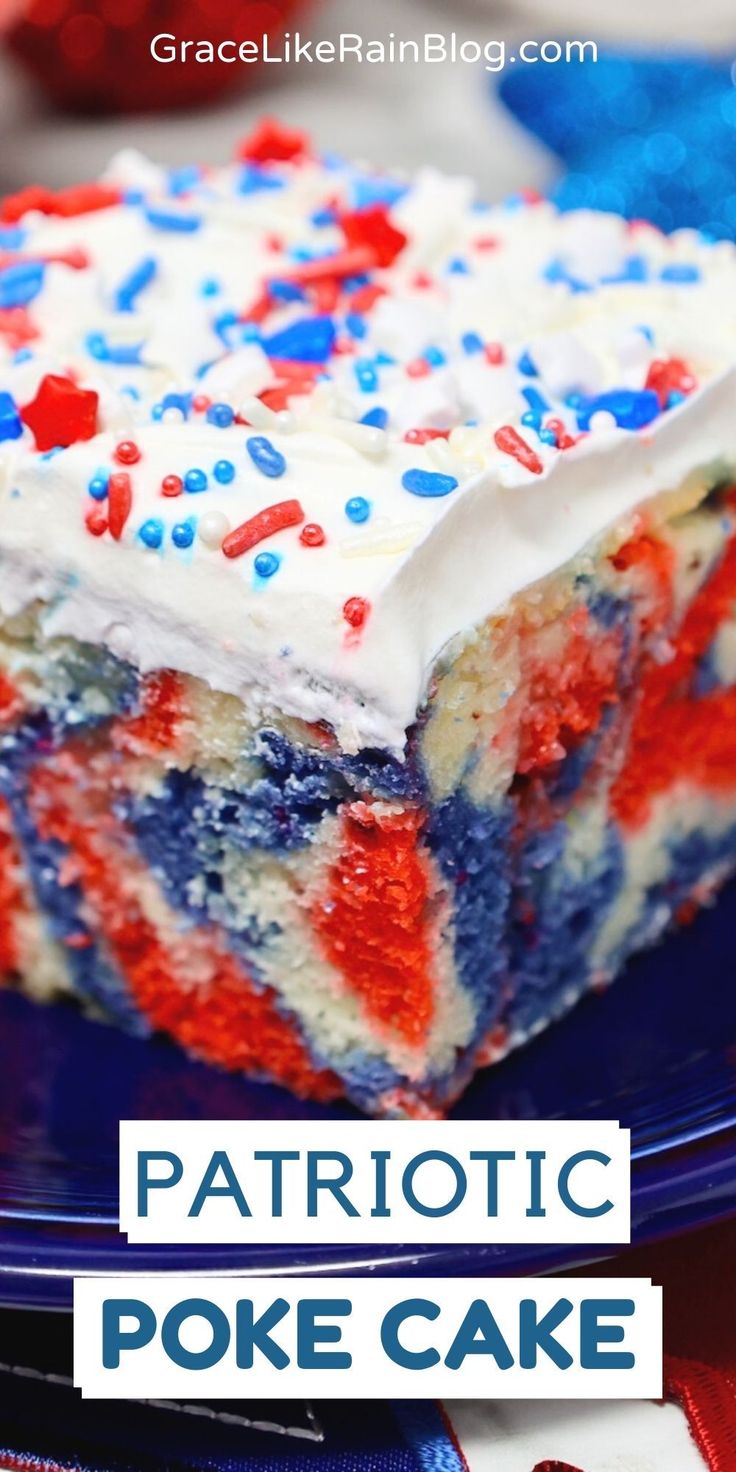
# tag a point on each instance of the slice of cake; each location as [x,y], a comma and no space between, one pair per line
[367,574]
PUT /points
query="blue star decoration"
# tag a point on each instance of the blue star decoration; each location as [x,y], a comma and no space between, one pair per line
[645,136]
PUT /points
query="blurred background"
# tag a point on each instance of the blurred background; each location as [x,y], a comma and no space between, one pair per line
[651,129]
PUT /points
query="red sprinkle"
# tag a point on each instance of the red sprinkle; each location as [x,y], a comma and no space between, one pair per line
[312,535]
[264,524]
[127,453]
[271,142]
[61,413]
[510,442]
[670,375]
[355,612]
[418,368]
[119,502]
[494,353]
[83,199]
[423,436]
[96,521]
[201,403]
[351,262]
[366,297]
[172,485]
[372,228]
[563,440]
[486,242]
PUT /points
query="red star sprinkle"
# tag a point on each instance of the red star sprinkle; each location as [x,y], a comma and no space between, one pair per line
[61,413]
[372,227]
[271,142]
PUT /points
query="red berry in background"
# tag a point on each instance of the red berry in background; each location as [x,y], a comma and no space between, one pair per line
[94,56]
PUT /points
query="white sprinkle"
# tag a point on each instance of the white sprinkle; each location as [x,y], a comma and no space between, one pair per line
[212,528]
[385,538]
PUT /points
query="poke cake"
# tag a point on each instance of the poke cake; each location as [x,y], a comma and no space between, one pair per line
[367,590]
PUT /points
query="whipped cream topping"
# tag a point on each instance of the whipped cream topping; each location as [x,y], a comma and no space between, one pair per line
[339,418]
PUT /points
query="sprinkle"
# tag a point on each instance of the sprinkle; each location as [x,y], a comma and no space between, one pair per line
[356,325]
[435,356]
[372,227]
[265,456]
[428,483]
[631,408]
[61,413]
[127,453]
[195,481]
[97,486]
[201,403]
[418,368]
[309,341]
[494,354]
[669,375]
[264,524]
[357,509]
[312,535]
[526,366]
[272,142]
[355,612]
[182,534]
[423,436]
[96,521]
[532,417]
[174,220]
[366,375]
[20,283]
[119,502]
[562,439]
[152,532]
[172,485]
[266,564]
[377,417]
[139,278]
[11,425]
[510,442]
[212,529]
[221,415]
[680,273]
[224,472]
[102,351]
[472,343]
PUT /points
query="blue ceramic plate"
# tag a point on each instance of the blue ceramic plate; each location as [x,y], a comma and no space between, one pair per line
[657,1052]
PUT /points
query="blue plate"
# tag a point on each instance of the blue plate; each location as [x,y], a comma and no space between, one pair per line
[657,1052]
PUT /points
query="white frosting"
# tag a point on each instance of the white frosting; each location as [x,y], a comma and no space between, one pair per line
[429,567]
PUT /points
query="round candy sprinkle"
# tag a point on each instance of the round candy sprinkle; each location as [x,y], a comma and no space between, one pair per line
[220,415]
[97,486]
[428,483]
[510,442]
[127,453]
[194,481]
[212,529]
[172,485]
[152,532]
[312,535]
[201,403]
[96,521]
[357,509]
[264,524]
[266,564]
[182,534]
[265,456]
[355,612]
[224,472]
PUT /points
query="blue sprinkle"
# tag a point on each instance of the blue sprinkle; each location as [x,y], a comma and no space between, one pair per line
[472,343]
[286,291]
[123,353]
[366,375]
[308,341]
[323,217]
[182,534]
[547,436]
[674,398]
[631,408]
[220,415]
[133,196]
[12,237]
[224,472]
[428,483]
[367,190]
[435,356]
[223,325]
[459,267]
[181,180]
[11,426]
[152,532]
[357,509]
[252,179]
[383,359]
[265,456]
[195,480]
[19,284]
[182,402]
[210,287]
[538,406]
[635,268]
[356,325]
[376,417]
[97,486]
[174,220]
[680,273]
[526,366]
[139,278]
[23,355]
[266,564]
